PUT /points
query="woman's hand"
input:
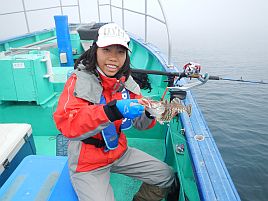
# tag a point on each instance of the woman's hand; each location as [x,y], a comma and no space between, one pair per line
[130,108]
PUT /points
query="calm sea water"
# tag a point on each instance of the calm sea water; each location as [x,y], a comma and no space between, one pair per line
[236,113]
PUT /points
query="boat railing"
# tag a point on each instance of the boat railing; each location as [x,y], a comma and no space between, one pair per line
[110,3]
[25,11]
[146,16]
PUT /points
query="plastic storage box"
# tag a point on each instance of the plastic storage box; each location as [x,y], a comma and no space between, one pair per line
[63,189]
[16,143]
[25,78]
[35,179]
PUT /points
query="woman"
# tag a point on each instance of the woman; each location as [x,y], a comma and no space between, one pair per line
[99,100]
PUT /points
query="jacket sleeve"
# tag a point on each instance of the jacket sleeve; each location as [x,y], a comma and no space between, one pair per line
[145,121]
[76,118]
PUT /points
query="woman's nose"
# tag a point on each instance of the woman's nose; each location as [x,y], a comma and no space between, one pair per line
[113,55]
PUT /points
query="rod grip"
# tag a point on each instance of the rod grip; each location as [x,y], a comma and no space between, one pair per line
[212,77]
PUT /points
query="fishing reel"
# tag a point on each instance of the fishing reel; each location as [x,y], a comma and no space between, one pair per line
[191,70]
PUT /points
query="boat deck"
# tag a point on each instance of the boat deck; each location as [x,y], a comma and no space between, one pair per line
[45,145]
[129,186]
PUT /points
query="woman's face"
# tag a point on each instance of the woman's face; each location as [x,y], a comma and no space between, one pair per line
[110,59]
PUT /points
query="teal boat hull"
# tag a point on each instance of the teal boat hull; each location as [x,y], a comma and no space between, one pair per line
[199,166]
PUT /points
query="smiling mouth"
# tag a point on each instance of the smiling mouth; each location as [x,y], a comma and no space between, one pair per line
[112,67]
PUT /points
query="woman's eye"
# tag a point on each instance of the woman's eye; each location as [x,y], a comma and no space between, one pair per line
[121,51]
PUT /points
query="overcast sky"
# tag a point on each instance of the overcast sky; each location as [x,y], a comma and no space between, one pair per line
[220,18]
[192,20]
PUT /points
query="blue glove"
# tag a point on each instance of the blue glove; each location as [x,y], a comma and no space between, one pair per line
[130,108]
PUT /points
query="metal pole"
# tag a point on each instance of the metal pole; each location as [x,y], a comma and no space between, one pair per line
[61,8]
[30,45]
[123,15]
[168,35]
[98,9]
[111,14]
[145,21]
[25,15]
[79,12]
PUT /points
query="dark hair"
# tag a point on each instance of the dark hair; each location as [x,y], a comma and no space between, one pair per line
[89,60]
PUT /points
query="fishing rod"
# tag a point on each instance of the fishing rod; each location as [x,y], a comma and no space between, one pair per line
[157,72]
[182,74]
[192,70]
[237,80]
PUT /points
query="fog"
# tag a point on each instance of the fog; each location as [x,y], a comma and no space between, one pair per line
[214,20]
[191,22]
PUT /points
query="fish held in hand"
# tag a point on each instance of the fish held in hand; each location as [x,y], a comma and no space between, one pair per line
[164,111]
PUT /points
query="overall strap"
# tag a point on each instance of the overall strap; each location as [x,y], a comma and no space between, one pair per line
[109,133]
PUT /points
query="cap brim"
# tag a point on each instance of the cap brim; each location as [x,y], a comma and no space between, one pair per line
[113,41]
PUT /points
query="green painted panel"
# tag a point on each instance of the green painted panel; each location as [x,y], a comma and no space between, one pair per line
[154,133]
[7,86]
[143,59]
[76,45]
[23,79]
[54,56]
[40,117]
[44,88]
[26,40]
[45,145]
[139,57]
[60,77]
[181,162]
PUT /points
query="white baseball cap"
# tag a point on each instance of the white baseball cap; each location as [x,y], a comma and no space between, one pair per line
[112,34]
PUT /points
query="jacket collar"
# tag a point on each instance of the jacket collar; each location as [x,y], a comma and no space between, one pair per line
[110,83]
[89,87]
